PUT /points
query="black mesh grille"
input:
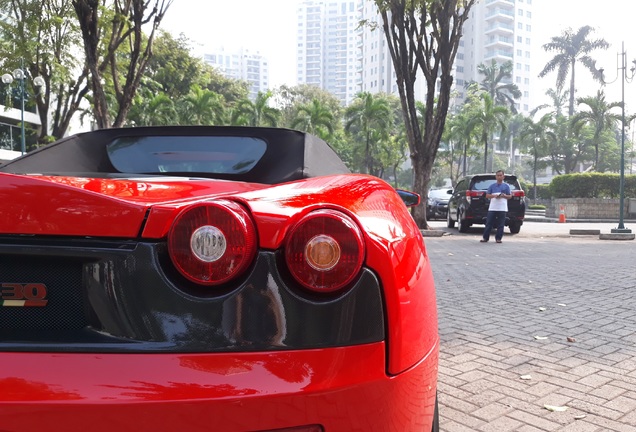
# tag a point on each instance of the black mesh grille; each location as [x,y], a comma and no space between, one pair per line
[63,280]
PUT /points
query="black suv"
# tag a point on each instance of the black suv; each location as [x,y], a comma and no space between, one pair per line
[468,205]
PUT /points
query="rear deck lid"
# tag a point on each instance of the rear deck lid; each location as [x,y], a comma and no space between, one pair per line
[95,207]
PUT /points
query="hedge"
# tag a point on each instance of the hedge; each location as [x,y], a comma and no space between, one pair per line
[590,185]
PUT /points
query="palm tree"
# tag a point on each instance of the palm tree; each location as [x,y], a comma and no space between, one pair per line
[498,84]
[459,128]
[366,114]
[151,110]
[200,107]
[488,118]
[257,113]
[570,48]
[599,116]
[314,118]
[537,136]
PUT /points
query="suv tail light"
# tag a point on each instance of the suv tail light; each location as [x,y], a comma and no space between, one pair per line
[325,251]
[518,193]
[473,193]
[211,243]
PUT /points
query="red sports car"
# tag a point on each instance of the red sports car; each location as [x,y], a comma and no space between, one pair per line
[210,278]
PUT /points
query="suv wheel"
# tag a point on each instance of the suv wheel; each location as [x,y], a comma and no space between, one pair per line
[449,221]
[515,227]
[462,225]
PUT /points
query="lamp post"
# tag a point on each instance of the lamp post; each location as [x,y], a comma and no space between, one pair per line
[20,75]
[620,229]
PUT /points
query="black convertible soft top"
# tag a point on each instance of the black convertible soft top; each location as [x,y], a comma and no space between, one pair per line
[250,154]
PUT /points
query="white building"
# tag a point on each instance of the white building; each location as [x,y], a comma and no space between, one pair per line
[327,52]
[377,74]
[336,54]
[499,30]
[11,116]
[242,64]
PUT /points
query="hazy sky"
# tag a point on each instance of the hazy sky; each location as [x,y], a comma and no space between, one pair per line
[269,26]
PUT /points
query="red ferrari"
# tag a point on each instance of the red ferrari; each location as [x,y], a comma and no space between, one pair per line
[210,279]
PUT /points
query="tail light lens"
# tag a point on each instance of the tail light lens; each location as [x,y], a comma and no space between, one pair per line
[212,243]
[518,193]
[325,251]
[471,193]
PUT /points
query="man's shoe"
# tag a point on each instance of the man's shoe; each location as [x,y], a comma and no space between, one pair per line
[483,241]
[498,241]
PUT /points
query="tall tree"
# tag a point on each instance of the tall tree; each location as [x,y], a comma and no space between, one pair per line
[488,118]
[172,69]
[569,149]
[423,37]
[290,99]
[600,116]
[315,118]
[257,113]
[459,130]
[200,107]
[572,47]
[44,35]
[535,138]
[497,82]
[152,109]
[105,32]
[370,116]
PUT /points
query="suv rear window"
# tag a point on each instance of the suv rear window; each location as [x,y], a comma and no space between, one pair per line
[484,183]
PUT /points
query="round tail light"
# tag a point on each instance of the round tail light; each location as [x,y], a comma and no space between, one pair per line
[325,251]
[212,243]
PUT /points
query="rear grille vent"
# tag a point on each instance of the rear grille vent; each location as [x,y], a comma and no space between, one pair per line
[62,279]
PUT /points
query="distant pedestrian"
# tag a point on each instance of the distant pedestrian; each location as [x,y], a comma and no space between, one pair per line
[499,194]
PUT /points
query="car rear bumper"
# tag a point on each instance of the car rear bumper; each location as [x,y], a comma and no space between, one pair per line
[480,218]
[437,211]
[340,389]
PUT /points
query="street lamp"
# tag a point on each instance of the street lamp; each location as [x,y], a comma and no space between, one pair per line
[620,229]
[20,75]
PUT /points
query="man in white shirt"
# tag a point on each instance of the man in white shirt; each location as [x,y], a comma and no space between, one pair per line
[499,194]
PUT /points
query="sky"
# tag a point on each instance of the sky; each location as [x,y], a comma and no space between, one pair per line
[269,27]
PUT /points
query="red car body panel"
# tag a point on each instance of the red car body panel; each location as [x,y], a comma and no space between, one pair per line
[117,208]
[380,386]
[94,207]
[342,389]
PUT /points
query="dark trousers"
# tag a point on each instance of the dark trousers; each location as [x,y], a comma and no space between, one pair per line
[498,219]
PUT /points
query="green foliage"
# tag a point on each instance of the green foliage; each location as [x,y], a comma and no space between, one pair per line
[290,100]
[591,185]
[315,118]
[368,120]
[543,190]
[256,113]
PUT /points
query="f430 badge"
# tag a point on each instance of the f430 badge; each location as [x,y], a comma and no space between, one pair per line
[19,295]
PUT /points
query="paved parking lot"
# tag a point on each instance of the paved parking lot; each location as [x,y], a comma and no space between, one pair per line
[535,321]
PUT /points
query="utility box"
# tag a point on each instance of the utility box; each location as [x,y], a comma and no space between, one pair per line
[631,206]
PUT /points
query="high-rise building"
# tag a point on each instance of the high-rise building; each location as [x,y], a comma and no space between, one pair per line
[241,64]
[327,51]
[332,47]
[377,74]
[499,30]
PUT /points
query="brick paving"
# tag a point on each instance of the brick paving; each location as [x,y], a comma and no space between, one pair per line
[493,300]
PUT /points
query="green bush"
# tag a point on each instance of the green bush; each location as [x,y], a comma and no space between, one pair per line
[543,190]
[591,185]
[536,207]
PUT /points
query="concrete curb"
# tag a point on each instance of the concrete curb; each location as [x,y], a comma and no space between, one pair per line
[617,236]
[585,232]
[433,233]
